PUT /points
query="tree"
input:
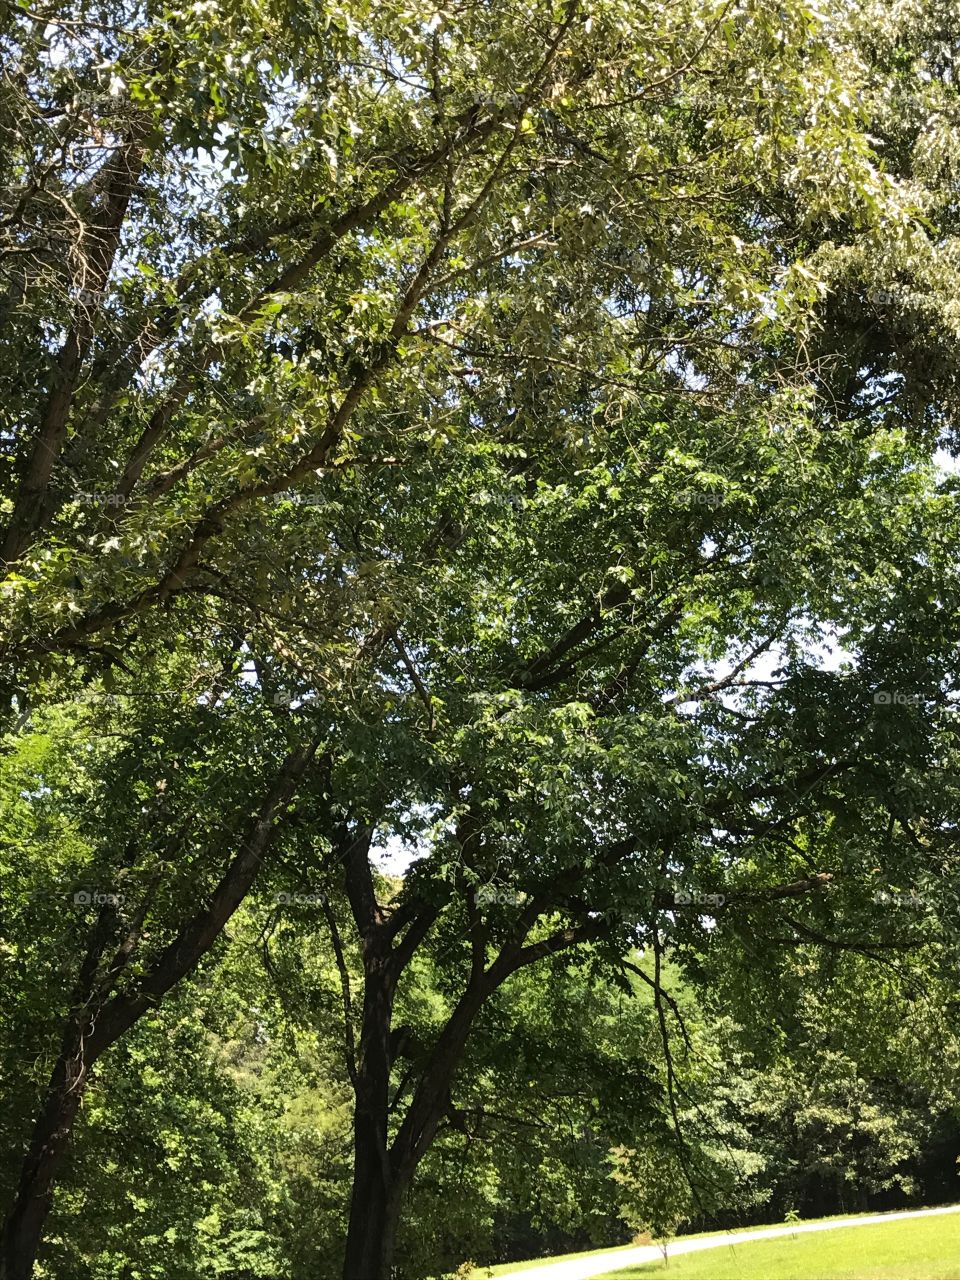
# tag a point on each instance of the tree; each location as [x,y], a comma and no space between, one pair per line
[559,767]
[656,1192]
[585,277]
[116,979]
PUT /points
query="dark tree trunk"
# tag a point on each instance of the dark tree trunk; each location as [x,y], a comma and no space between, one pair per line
[375,1199]
[383,1174]
[101,238]
[370,1233]
[23,1229]
[374,1218]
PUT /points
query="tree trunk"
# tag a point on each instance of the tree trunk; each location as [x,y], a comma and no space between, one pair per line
[375,1199]
[383,1174]
[23,1229]
[382,1177]
[374,1215]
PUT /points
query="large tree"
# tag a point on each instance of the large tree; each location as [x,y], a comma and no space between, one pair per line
[577,759]
[521,306]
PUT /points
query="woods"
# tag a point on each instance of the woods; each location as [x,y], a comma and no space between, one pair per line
[479,628]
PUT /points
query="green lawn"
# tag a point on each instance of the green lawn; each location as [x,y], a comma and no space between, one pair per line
[514,1268]
[914,1249]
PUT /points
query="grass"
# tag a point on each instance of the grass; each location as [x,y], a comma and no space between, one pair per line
[911,1249]
[514,1268]
[726,1263]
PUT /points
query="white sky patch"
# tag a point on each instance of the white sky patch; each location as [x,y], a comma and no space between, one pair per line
[395,856]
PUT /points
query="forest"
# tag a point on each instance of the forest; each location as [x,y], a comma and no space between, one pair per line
[479,628]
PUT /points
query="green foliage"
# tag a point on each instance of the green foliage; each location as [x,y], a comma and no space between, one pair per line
[656,1192]
[529,414]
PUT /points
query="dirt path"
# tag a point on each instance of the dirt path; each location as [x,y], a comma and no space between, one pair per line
[636,1255]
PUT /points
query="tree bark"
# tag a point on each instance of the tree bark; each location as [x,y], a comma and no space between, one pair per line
[101,241]
[48,1147]
[367,1255]
[23,1228]
[383,1174]
[374,1201]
